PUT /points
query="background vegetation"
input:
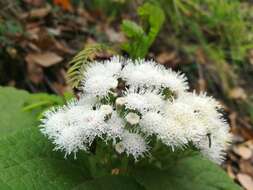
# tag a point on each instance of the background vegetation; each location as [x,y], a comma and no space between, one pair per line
[211,41]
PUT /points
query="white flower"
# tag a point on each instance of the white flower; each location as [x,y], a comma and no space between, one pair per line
[110,67]
[113,66]
[73,127]
[141,73]
[99,85]
[149,74]
[204,105]
[183,122]
[100,78]
[143,100]
[71,140]
[134,145]
[139,100]
[174,135]
[132,118]
[153,123]
[56,119]
[115,127]
[88,100]
[176,82]
[214,144]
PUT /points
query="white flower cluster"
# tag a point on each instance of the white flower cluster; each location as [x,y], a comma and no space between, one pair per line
[129,102]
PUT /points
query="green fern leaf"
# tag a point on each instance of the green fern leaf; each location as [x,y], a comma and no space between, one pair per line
[140,40]
[78,64]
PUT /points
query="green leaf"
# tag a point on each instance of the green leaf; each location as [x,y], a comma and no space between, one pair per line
[28,162]
[155,16]
[131,29]
[140,40]
[12,117]
[40,102]
[111,182]
[190,171]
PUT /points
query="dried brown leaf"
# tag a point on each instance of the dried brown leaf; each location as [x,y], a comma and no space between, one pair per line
[114,36]
[246,167]
[34,72]
[230,171]
[166,57]
[40,12]
[243,151]
[246,181]
[45,59]
[238,93]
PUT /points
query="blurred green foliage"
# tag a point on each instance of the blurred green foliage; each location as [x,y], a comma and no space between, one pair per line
[142,37]
[212,24]
[40,102]
[110,8]
[9,28]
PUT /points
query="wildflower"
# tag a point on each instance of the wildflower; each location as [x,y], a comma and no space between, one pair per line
[143,100]
[73,127]
[149,74]
[99,85]
[153,99]
[202,104]
[214,144]
[153,123]
[115,127]
[99,78]
[134,145]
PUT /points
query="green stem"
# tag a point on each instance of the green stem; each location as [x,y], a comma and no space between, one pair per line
[124,164]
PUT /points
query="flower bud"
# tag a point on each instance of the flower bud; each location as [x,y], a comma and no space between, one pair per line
[120,101]
[119,147]
[132,118]
[106,109]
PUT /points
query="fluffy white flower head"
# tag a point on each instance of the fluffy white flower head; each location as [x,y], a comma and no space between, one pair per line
[134,144]
[100,85]
[146,95]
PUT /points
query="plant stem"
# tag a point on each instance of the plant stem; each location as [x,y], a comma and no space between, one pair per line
[124,164]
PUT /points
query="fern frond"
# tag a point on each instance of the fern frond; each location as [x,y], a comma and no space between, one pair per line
[140,40]
[78,64]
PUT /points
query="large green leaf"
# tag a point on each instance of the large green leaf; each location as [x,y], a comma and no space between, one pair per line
[186,173]
[11,115]
[111,182]
[27,161]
